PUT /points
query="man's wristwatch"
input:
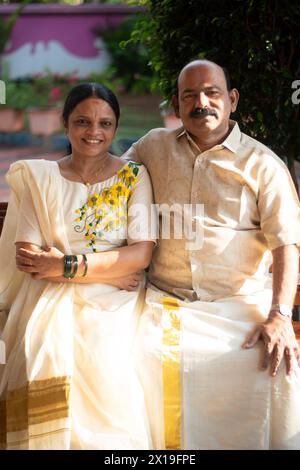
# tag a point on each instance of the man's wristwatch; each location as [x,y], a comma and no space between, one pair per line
[284,310]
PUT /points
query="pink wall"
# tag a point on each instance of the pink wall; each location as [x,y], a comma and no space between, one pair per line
[60,36]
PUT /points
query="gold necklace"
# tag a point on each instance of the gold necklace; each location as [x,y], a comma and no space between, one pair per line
[95,174]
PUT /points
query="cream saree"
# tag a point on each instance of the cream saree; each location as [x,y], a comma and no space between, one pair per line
[69,380]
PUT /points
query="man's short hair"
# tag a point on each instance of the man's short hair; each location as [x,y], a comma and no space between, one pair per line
[225,71]
[227,78]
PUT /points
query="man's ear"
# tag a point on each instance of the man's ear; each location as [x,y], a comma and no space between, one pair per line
[234,99]
[175,105]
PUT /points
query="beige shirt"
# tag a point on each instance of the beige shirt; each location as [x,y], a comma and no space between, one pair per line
[250,207]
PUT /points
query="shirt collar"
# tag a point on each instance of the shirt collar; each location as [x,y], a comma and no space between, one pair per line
[231,142]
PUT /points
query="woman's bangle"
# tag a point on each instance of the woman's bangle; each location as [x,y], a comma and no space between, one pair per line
[75,266]
[68,266]
[85,265]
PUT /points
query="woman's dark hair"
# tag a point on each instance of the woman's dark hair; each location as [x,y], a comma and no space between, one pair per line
[88,90]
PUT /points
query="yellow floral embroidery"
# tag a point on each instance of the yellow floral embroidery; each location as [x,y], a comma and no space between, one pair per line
[107,211]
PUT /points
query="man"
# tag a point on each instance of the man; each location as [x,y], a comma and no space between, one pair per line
[205,301]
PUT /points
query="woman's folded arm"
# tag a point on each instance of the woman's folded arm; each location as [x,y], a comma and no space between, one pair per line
[104,267]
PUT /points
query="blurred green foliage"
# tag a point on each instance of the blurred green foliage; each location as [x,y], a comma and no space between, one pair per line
[257,41]
[129,70]
[41,91]
[7,25]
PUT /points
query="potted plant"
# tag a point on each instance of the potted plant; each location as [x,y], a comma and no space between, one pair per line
[47,95]
[45,109]
[12,113]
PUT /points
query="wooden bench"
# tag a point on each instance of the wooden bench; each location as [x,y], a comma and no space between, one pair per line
[3,208]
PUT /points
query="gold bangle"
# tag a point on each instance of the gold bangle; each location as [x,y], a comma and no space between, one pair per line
[85,265]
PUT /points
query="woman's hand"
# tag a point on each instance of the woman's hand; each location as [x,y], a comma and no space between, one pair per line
[47,262]
[129,282]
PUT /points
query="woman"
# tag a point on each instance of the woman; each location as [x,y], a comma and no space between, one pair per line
[75,297]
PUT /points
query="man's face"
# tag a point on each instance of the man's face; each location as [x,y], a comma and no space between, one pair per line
[204,104]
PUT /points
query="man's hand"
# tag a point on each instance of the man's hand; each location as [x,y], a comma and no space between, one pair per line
[42,264]
[129,282]
[279,341]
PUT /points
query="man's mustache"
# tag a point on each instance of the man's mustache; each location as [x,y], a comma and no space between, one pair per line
[203,112]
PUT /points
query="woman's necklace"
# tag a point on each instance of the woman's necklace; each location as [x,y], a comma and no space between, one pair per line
[95,175]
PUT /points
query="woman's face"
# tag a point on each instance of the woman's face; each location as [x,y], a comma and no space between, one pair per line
[91,127]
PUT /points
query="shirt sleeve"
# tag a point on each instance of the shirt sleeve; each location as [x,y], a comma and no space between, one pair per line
[142,220]
[279,206]
[28,228]
[133,153]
